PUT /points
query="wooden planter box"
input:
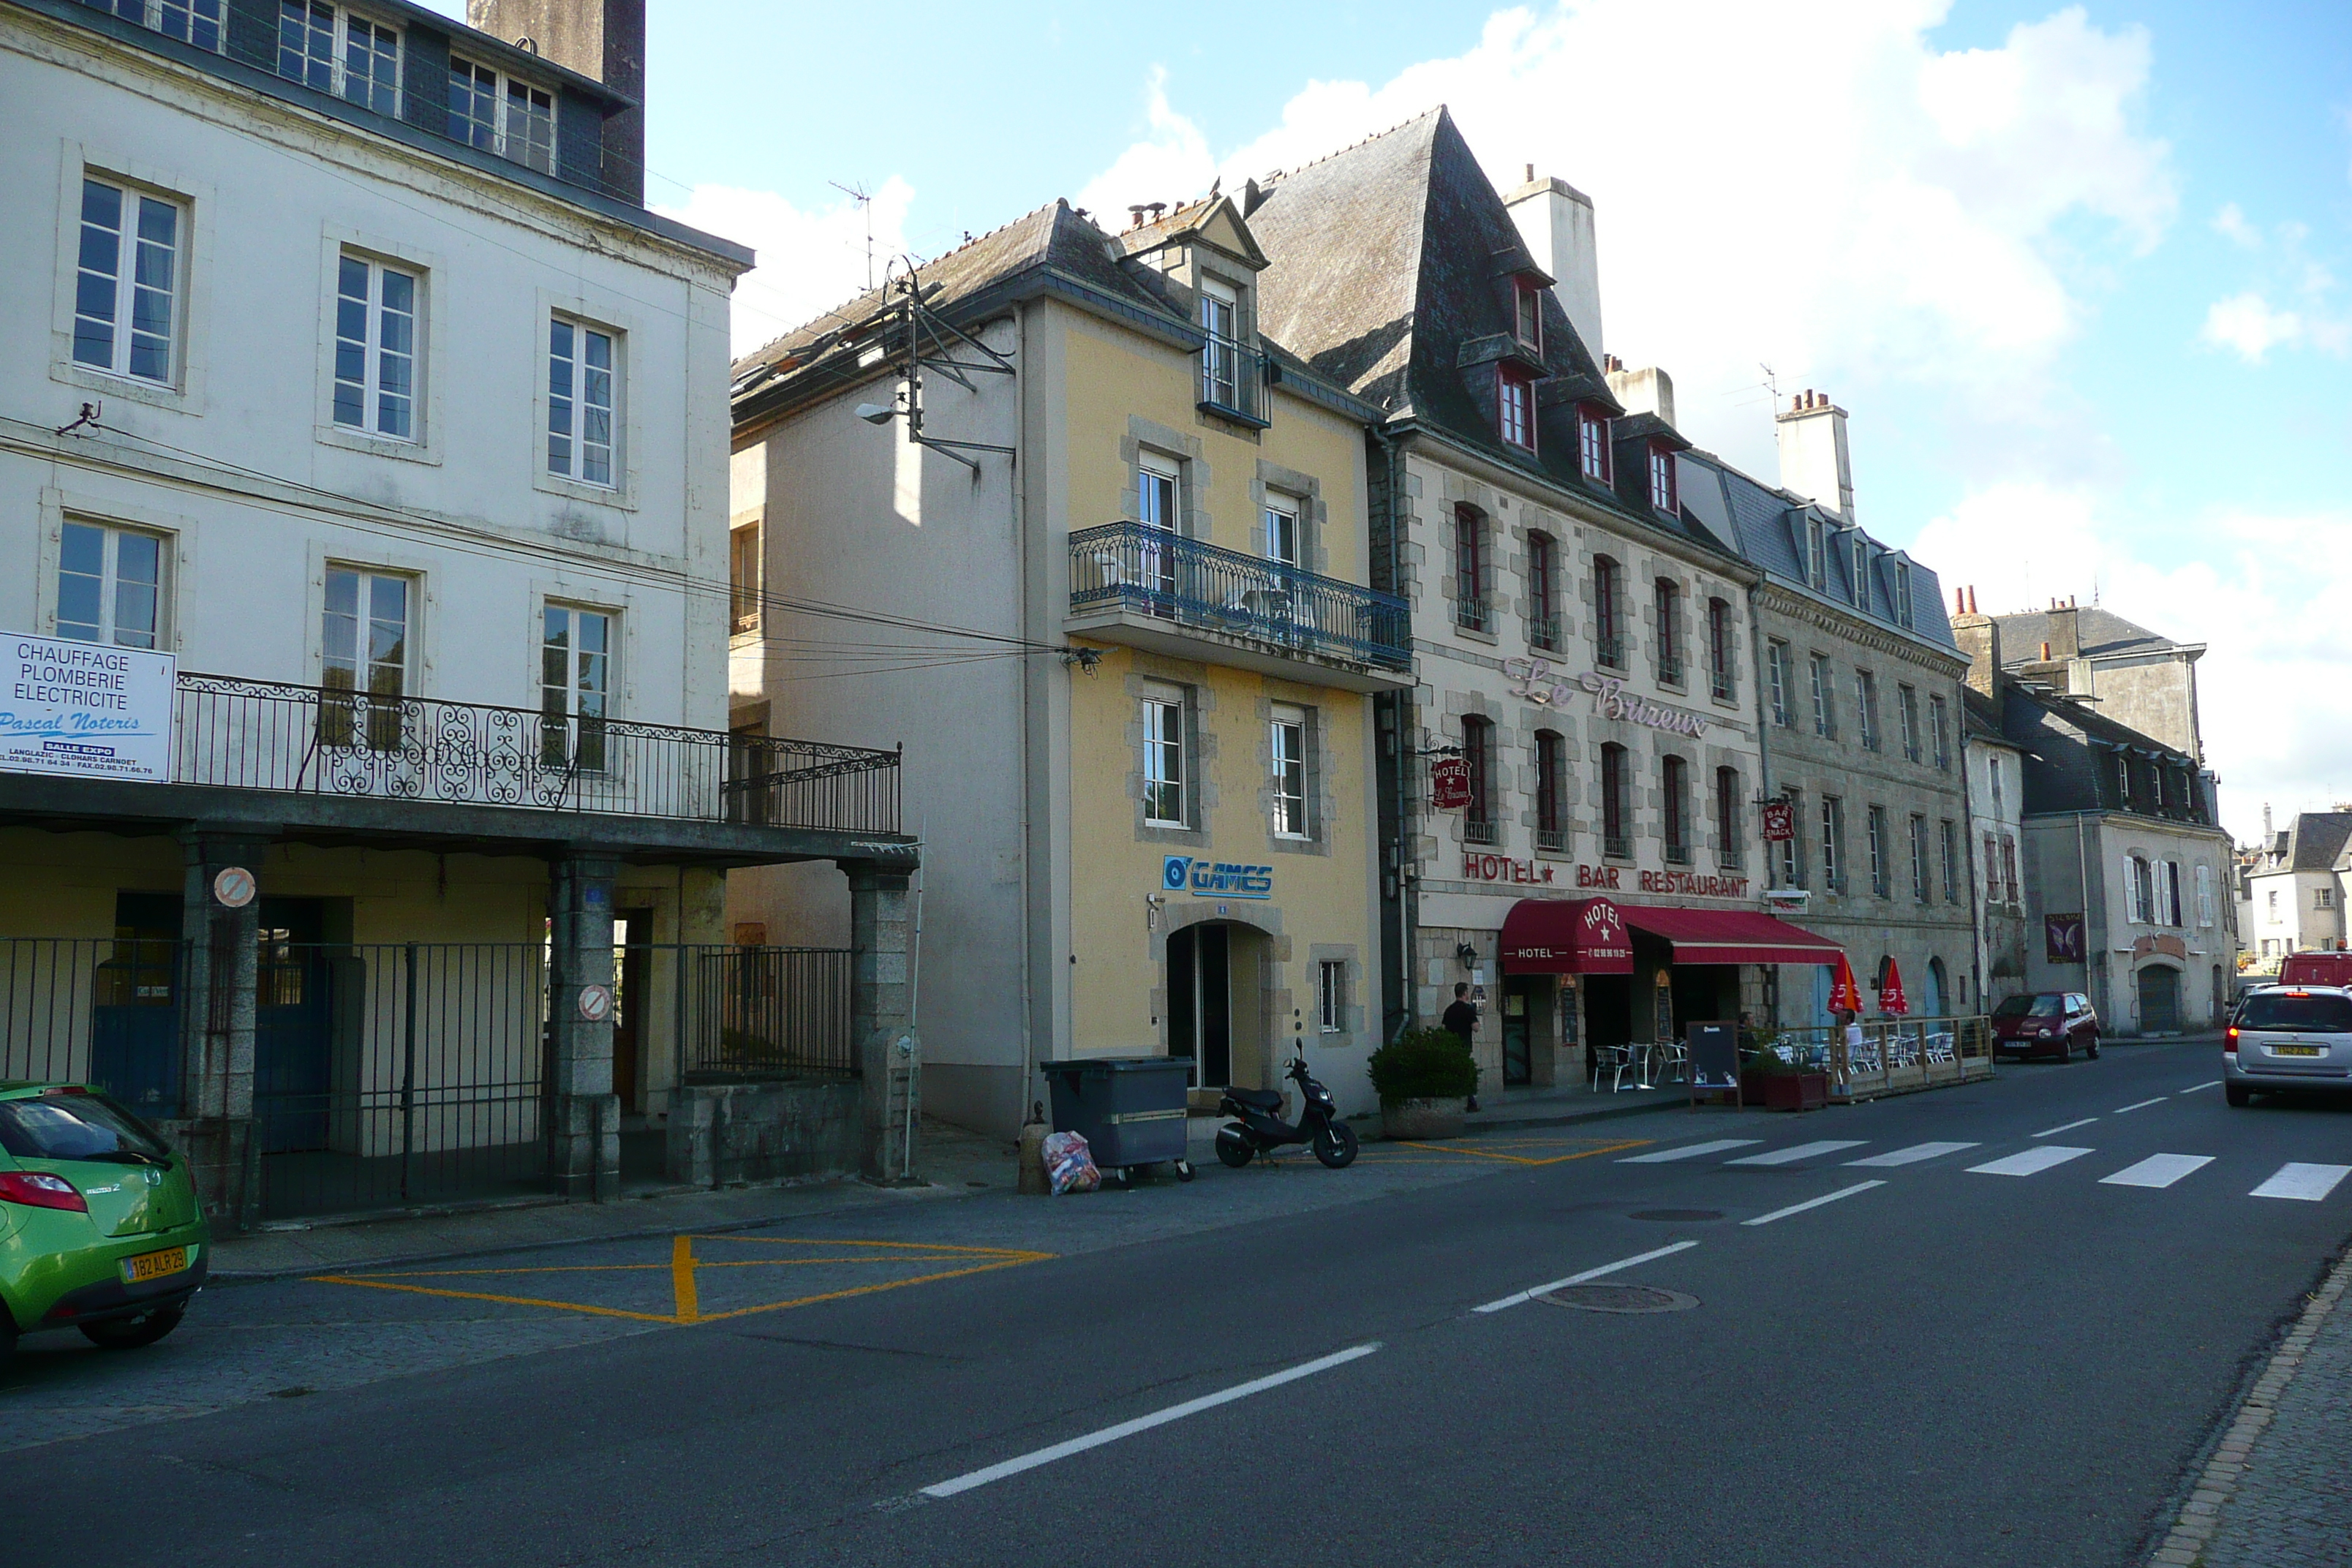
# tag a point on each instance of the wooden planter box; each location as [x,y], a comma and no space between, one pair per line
[1785,1090]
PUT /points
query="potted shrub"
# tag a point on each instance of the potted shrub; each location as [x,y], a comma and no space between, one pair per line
[1425,1078]
[1782,1077]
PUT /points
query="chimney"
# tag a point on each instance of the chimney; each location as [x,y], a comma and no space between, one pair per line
[2266,824]
[2065,635]
[1979,639]
[1555,221]
[1814,461]
[1645,391]
[604,39]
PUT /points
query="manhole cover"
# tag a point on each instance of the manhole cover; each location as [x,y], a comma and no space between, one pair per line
[1674,1216]
[1619,1299]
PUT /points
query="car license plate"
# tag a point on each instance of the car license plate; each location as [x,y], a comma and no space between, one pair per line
[153,1265]
[2295,1050]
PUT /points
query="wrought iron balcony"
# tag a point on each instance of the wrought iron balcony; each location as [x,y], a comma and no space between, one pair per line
[235,733]
[1480,830]
[1233,380]
[1543,632]
[1128,569]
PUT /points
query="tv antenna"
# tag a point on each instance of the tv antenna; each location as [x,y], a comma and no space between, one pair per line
[864,200]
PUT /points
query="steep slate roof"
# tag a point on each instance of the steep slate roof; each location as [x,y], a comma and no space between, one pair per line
[2102,631]
[1762,524]
[1980,718]
[2315,840]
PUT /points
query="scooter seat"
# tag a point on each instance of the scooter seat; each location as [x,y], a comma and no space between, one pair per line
[1264,1099]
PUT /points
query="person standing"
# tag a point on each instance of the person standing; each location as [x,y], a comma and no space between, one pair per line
[1461,1021]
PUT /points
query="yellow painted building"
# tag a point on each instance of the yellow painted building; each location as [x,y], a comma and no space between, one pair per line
[1119,619]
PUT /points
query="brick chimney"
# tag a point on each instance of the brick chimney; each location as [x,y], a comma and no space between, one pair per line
[2066,634]
[1814,461]
[1979,637]
[601,38]
[1555,220]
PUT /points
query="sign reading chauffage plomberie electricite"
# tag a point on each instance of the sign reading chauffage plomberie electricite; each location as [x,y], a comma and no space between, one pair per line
[84,709]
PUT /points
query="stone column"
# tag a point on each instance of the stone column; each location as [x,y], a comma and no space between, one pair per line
[216,1124]
[584,1136]
[888,1060]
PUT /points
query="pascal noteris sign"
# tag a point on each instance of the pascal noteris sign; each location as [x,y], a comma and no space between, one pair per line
[86,708]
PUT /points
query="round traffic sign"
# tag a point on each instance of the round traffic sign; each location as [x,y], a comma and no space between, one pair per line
[234,887]
[595,1003]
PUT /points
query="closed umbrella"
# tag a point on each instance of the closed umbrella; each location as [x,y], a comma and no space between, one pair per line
[1891,999]
[1844,995]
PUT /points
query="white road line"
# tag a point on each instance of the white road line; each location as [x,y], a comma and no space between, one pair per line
[998,1472]
[1689,1150]
[2193,1087]
[2297,1180]
[2142,1104]
[2065,1127]
[1913,1155]
[2156,1171]
[1812,1203]
[1529,1295]
[2029,1161]
[1796,1152]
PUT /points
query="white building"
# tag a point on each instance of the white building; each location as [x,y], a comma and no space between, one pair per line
[1996,767]
[377,437]
[2296,886]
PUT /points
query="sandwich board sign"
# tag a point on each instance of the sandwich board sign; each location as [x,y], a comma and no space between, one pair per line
[85,710]
[1713,1058]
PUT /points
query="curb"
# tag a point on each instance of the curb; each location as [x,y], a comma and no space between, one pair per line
[2192,1531]
[1505,1123]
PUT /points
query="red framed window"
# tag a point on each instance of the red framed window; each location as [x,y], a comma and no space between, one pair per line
[1662,479]
[1515,402]
[1592,443]
[1527,317]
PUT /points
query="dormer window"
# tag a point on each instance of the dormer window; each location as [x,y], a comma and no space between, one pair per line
[1221,355]
[1861,572]
[1903,592]
[1662,479]
[1592,442]
[1515,400]
[502,115]
[330,48]
[1526,317]
[1817,560]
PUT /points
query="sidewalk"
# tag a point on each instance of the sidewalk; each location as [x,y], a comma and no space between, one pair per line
[2274,1494]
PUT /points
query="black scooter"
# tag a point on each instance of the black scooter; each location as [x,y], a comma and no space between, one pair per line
[1258,1126]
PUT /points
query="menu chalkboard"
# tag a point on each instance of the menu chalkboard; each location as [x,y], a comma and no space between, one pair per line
[1713,1058]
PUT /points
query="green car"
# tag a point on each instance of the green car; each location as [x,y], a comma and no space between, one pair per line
[99,1227]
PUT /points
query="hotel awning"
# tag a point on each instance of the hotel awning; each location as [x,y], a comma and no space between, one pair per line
[1562,936]
[1731,936]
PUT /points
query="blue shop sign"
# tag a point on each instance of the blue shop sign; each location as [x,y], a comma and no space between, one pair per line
[1216,879]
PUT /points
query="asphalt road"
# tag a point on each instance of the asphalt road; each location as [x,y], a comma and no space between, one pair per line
[1948,1367]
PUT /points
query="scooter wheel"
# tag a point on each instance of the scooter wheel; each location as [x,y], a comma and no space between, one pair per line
[1183,1170]
[1234,1153]
[1336,1145]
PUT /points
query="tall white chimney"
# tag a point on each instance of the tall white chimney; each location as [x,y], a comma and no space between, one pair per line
[1555,220]
[1814,461]
[1648,390]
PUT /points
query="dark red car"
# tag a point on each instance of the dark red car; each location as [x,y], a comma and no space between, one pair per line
[2046,1023]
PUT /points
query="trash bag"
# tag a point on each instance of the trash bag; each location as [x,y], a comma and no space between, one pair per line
[1069,1165]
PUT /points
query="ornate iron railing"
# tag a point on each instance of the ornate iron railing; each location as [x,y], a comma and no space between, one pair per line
[1233,379]
[307,740]
[1133,566]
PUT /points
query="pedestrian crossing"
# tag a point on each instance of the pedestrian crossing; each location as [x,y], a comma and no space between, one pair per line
[2298,1180]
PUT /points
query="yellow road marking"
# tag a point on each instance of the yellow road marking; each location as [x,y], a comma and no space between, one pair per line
[681,1279]
[643,1268]
[1523,1159]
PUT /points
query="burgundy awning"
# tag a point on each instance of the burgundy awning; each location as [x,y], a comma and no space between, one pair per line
[1729,936]
[1561,936]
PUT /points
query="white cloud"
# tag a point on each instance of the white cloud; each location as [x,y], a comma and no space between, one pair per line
[2232,225]
[810,261]
[2247,324]
[1165,166]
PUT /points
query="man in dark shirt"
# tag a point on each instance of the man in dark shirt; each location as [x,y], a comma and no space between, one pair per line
[1461,1018]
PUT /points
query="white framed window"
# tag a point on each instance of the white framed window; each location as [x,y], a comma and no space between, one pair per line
[2140,889]
[1515,409]
[365,637]
[744,571]
[326,47]
[1159,505]
[127,282]
[1874,826]
[1817,559]
[1331,995]
[1592,443]
[1824,721]
[575,686]
[1865,706]
[1861,572]
[1776,669]
[1282,542]
[1939,722]
[1221,353]
[2170,890]
[2323,898]
[1921,889]
[1832,843]
[504,115]
[582,380]
[110,585]
[2204,896]
[1287,748]
[1662,479]
[1164,805]
[1903,592]
[1906,705]
[375,348]
[198,22]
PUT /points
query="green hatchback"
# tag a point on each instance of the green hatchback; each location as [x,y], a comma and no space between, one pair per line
[99,1227]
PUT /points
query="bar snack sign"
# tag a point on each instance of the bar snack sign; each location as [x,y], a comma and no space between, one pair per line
[85,710]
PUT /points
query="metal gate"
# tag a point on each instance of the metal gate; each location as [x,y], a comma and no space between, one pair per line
[98,1010]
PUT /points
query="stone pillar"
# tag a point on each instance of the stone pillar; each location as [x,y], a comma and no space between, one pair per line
[216,1125]
[583,1138]
[888,1060]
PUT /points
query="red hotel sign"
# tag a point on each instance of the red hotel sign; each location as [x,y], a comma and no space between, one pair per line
[1503,868]
[1449,784]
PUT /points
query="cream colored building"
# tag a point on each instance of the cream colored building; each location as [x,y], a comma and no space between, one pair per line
[1113,604]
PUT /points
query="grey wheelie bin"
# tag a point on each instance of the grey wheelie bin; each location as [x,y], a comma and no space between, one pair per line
[1129,1109]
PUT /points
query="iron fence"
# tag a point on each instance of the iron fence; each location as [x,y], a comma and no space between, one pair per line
[763,1013]
[97,1010]
[308,739]
[1135,566]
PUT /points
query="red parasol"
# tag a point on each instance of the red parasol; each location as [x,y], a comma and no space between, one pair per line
[1845,996]
[1890,994]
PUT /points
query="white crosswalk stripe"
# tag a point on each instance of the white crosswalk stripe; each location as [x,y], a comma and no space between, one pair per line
[2156,1171]
[2297,1180]
[1911,1156]
[2033,1161]
[1690,1151]
[1796,1152]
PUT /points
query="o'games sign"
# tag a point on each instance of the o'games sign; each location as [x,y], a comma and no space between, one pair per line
[1216,879]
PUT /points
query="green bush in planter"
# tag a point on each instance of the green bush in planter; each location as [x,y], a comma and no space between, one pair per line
[1424,1064]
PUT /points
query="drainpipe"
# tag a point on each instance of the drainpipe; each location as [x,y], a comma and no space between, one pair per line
[1763,757]
[1408,921]
[2082,880]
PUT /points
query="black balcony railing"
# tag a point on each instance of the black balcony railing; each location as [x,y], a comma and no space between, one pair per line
[1552,840]
[1233,379]
[1480,830]
[1133,566]
[303,740]
[1609,649]
[1543,632]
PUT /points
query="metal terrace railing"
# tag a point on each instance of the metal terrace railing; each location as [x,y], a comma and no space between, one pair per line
[1155,572]
[305,739]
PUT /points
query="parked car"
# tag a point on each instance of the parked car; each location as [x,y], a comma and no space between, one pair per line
[2046,1023]
[99,1225]
[2288,1037]
[2331,969]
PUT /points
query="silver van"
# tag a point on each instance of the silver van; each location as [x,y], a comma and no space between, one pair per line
[2288,1037]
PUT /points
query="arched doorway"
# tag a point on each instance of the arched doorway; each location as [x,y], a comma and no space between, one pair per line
[2159,1000]
[1217,1002]
[1937,995]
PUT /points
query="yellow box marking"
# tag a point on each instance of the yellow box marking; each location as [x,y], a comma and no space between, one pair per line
[684,1265]
[1473,1151]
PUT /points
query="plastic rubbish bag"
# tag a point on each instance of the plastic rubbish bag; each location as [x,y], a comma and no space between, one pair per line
[1069,1165]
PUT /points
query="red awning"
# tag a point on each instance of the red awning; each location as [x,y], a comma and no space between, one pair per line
[1562,936]
[1729,936]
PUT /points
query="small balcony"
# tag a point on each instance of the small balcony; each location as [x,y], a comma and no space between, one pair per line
[1609,650]
[1146,587]
[1670,669]
[1480,830]
[1233,381]
[1551,840]
[1543,632]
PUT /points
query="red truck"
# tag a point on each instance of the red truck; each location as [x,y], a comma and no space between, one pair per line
[2316,969]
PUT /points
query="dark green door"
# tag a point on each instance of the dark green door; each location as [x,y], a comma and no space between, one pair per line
[293,1020]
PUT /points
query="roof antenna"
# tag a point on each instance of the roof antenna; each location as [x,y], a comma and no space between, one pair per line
[864,199]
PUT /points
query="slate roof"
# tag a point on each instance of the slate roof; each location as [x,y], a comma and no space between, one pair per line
[1980,718]
[2315,841]
[2102,631]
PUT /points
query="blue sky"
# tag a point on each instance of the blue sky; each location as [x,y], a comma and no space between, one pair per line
[2082,275]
